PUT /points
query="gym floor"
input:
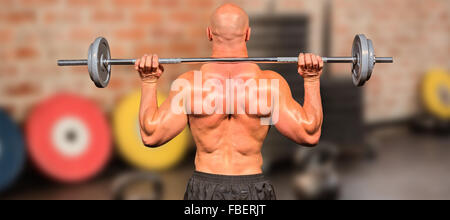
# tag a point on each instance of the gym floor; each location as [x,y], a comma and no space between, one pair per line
[404,166]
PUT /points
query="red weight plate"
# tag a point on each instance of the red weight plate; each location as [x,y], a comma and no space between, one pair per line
[69,138]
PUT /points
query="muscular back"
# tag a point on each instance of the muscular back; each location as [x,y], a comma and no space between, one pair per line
[229,122]
[229,140]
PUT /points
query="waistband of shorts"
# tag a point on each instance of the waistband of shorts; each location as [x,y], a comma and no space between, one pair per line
[256,178]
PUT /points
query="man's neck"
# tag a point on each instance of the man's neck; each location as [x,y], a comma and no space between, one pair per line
[220,50]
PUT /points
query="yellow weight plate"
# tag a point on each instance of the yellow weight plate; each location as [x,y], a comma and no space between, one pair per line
[129,142]
[436,93]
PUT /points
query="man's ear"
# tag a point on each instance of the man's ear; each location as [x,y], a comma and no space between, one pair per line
[209,33]
[249,33]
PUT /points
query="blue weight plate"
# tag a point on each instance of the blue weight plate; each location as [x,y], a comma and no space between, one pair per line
[12,151]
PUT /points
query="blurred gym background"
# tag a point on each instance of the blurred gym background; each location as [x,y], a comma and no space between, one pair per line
[387,140]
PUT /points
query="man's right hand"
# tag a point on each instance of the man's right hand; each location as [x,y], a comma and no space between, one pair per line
[310,66]
[149,68]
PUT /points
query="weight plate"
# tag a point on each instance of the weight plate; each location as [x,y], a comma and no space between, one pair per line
[436,93]
[12,151]
[372,58]
[129,142]
[99,71]
[68,138]
[138,186]
[360,68]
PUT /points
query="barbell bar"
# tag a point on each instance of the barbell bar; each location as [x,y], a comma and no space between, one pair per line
[99,61]
[220,60]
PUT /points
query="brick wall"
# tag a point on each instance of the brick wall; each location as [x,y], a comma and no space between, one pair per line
[35,33]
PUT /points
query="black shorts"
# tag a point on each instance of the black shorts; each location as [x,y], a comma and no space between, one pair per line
[203,186]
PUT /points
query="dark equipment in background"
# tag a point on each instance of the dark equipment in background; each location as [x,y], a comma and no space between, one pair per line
[136,185]
[316,177]
[280,36]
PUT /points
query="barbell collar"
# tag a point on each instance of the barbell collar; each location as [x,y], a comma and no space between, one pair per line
[384,60]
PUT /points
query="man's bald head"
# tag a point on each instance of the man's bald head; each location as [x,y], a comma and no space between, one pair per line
[229,23]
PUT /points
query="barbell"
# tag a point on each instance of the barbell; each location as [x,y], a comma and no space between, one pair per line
[99,61]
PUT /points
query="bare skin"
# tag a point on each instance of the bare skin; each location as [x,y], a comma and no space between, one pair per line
[230,143]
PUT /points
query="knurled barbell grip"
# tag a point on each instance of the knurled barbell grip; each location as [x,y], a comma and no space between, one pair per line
[227,60]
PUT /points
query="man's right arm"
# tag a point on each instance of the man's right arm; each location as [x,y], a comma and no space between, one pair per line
[158,124]
[302,124]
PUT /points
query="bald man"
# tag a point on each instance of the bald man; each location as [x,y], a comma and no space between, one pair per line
[230,137]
